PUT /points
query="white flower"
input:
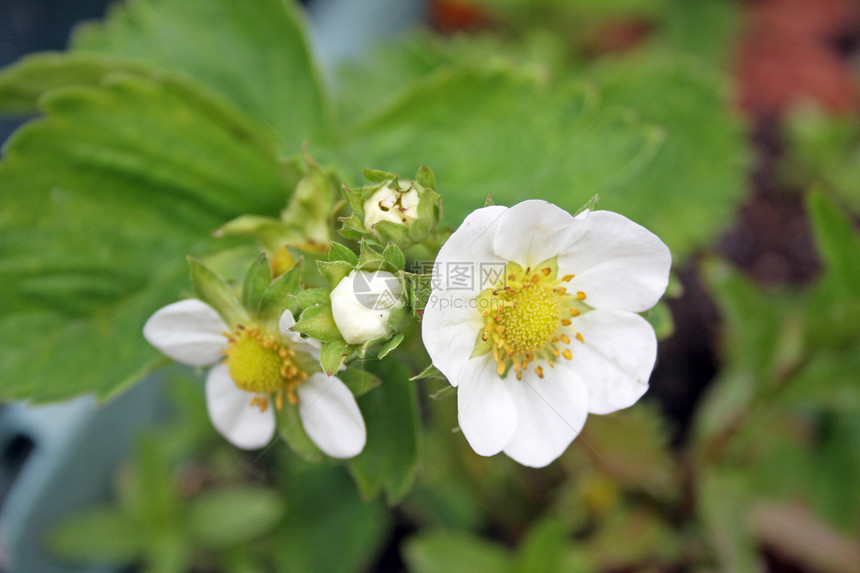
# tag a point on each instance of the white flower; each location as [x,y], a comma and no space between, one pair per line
[259,367]
[362,302]
[547,332]
[394,205]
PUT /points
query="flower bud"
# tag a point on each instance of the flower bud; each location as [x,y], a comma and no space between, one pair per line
[395,205]
[362,303]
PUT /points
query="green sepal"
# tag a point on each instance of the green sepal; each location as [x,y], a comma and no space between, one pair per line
[339,252]
[431,373]
[390,231]
[377,176]
[270,232]
[318,322]
[418,288]
[425,177]
[292,431]
[359,381]
[313,297]
[352,227]
[590,205]
[257,279]
[334,271]
[387,347]
[333,354]
[279,296]
[209,288]
[394,256]
[488,202]
[369,259]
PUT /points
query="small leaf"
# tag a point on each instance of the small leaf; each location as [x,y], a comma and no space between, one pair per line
[543,547]
[333,354]
[488,202]
[455,552]
[318,322]
[96,534]
[213,291]
[257,279]
[227,516]
[590,205]
[837,241]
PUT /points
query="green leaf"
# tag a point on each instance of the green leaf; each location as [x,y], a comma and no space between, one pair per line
[684,195]
[96,534]
[333,354]
[100,203]
[455,552]
[318,322]
[389,459]
[228,516]
[23,83]
[293,432]
[257,279]
[212,290]
[838,242]
[257,58]
[328,527]
[387,347]
[358,380]
[724,502]
[543,547]
[567,150]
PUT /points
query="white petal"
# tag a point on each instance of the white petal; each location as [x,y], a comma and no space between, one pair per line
[243,425]
[331,416]
[458,266]
[487,414]
[551,413]
[616,359]
[188,331]
[449,329]
[310,346]
[534,231]
[618,264]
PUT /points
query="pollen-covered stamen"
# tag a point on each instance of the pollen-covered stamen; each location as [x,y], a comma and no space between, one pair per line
[527,319]
[261,365]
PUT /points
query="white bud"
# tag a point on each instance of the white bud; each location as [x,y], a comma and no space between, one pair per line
[395,205]
[362,303]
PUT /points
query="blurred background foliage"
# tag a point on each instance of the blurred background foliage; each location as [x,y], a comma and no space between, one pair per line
[728,128]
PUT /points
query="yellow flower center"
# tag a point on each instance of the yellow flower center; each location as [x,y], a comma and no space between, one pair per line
[527,318]
[261,365]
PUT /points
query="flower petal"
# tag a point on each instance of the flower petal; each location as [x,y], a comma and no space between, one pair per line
[189,331]
[310,346]
[616,359]
[458,264]
[243,425]
[487,414]
[534,231]
[331,416]
[618,263]
[552,411]
[449,329]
